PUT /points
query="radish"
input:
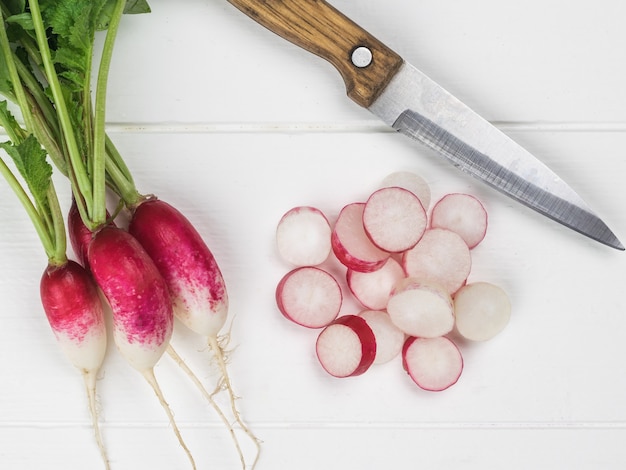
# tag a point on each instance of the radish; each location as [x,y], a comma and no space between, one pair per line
[462,214]
[411,182]
[140,303]
[442,257]
[482,310]
[346,347]
[303,236]
[350,243]
[192,276]
[309,296]
[421,309]
[394,219]
[434,364]
[389,338]
[74,310]
[373,289]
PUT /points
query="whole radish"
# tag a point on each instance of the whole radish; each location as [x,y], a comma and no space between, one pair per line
[192,274]
[140,303]
[74,310]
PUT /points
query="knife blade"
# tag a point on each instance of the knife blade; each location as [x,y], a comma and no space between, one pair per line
[378,79]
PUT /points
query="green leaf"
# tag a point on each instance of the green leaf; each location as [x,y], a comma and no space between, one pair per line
[30,161]
[25,20]
[15,6]
[10,124]
[134,7]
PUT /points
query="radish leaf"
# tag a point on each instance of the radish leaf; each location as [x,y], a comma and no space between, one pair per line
[30,161]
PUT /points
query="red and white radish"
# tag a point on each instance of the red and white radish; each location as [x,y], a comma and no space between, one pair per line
[346,347]
[389,338]
[394,219]
[350,243]
[462,214]
[373,289]
[421,309]
[442,257]
[303,236]
[74,310]
[434,364]
[482,310]
[411,182]
[309,296]
[193,278]
[140,303]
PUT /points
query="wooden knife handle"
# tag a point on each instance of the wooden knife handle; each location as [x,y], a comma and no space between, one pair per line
[319,28]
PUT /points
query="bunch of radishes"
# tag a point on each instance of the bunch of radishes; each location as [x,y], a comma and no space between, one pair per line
[408,268]
[156,267]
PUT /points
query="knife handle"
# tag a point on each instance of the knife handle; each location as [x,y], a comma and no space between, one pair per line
[319,28]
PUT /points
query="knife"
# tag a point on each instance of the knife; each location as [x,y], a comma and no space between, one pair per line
[379,79]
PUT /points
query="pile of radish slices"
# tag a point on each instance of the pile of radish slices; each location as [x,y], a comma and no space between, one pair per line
[408,269]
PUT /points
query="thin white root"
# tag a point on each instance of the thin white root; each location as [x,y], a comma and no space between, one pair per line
[219,354]
[89,377]
[181,363]
[149,376]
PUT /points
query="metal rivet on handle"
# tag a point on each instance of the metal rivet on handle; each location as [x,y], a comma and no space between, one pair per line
[361,57]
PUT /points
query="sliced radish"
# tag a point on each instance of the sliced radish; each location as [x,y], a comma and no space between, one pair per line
[372,289]
[394,219]
[309,296]
[434,364]
[346,347]
[350,243]
[463,214]
[421,309]
[410,181]
[441,256]
[482,310]
[389,338]
[303,236]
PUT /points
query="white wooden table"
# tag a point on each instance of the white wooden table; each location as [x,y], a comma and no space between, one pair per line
[234,126]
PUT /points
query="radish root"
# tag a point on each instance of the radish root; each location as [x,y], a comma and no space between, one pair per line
[149,376]
[216,344]
[181,363]
[89,378]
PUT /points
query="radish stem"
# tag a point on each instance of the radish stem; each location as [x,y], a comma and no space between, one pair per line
[149,376]
[98,209]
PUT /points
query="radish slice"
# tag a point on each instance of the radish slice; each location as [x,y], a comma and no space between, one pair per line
[462,214]
[442,257]
[303,236]
[372,290]
[434,364]
[394,219]
[309,296]
[421,309]
[482,310]
[346,347]
[411,182]
[350,243]
[389,338]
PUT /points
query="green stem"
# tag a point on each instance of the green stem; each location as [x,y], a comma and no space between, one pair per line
[120,176]
[82,178]
[99,150]
[58,225]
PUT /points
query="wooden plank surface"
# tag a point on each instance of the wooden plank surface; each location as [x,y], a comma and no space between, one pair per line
[234,126]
